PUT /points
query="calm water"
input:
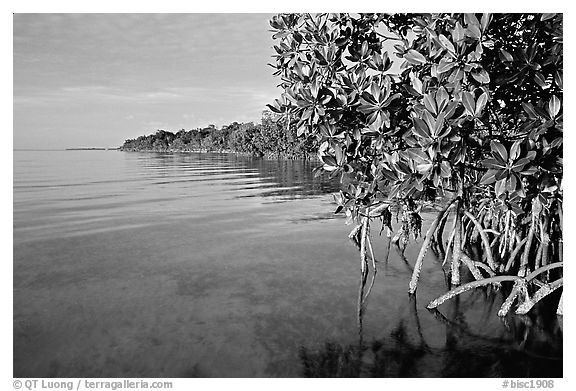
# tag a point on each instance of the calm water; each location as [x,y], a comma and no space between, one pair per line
[209,265]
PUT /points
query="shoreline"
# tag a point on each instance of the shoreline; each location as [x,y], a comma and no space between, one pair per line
[269,156]
[91,149]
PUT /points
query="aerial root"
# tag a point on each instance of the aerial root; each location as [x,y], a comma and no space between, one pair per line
[466,287]
[515,254]
[457,247]
[427,239]
[519,291]
[527,305]
[363,234]
[560,310]
[484,237]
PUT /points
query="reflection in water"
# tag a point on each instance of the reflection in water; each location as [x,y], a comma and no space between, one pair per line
[531,348]
[69,193]
[285,179]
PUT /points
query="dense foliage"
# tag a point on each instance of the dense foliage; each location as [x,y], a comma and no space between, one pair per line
[474,115]
[265,139]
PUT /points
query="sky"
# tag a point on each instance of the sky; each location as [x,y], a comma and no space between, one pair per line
[94,80]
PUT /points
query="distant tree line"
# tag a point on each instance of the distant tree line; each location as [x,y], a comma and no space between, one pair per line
[268,138]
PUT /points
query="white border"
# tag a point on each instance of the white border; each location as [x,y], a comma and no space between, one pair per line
[108,6]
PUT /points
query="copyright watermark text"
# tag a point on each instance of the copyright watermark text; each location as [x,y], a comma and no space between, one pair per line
[89,384]
[527,383]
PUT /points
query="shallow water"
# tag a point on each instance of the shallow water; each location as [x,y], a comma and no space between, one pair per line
[211,265]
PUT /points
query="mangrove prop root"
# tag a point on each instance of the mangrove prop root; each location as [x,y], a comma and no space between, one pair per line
[396,239]
[494,241]
[370,286]
[418,265]
[527,305]
[371,250]
[475,233]
[545,241]
[471,266]
[512,236]
[526,254]
[538,283]
[457,247]
[466,287]
[560,213]
[543,269]
[485,267]
[440,232]
[360,305]
[518,289]
[467,231]
[450,241]
[504,243]
[353,235]
[515,254]
[538,255]
[363,262]
[485,241]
